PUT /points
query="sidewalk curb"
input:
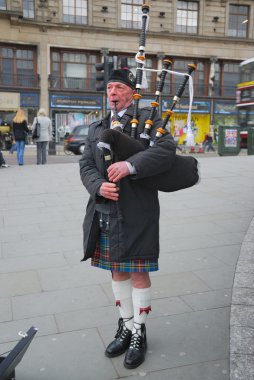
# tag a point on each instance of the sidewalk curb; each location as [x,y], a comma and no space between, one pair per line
[242,312]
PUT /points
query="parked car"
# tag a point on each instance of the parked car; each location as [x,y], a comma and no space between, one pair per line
[76,140]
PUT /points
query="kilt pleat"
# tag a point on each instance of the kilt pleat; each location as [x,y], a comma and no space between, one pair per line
[101,259]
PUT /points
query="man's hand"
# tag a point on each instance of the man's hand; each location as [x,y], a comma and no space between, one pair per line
[110,191]
[117,171]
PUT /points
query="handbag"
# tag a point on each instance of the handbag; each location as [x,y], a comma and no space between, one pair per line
[36,131]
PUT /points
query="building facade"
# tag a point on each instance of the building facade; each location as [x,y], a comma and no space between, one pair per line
[49,50]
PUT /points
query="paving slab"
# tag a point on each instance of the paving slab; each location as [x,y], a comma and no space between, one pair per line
[13,284]
[46,303]
[241,367]
[5,309]
[25,263]
[215,370]
[217,278]
[242,312]
[9,330]
[72,355]
[208,300]
[175,262]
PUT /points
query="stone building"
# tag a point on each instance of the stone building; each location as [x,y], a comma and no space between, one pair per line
[49,50]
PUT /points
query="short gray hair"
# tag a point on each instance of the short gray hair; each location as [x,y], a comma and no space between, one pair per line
[42,112]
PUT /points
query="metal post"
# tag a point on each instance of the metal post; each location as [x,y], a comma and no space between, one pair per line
[104,52]
[211,93]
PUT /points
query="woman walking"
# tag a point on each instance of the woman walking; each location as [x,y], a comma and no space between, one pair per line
[45,135]
[20,131]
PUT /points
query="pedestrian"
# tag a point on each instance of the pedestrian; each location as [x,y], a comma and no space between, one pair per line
[20,132]
[2,160]
[215,136]
[13,148]
[205,142]
[45,135]
[210,144]
[121,225]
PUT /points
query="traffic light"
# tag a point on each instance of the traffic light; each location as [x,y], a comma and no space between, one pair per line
[102,75]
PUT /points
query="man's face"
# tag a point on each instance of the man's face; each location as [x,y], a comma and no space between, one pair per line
[119,93]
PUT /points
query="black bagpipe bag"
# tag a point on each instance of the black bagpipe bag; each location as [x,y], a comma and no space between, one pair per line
[183,173]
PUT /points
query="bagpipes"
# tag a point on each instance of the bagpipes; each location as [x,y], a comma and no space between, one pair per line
[184,170]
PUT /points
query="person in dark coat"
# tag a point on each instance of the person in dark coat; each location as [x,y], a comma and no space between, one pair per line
[2,160]
[20,131]
[121,225]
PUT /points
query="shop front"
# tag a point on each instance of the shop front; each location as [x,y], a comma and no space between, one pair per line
[10,102]
[200,119]
[68,111]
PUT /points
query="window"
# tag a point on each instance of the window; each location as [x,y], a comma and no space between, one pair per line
[199,79]
[180,66]
[17,67]
[217,80]
[25,65]
[28,8]
[173,81]
[238,21]
[131,11]
[147,75]
[231,76]
[2,5]
[187,17]
[73,70]
[75,11]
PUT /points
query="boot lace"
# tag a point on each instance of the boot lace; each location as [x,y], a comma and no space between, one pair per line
[122,331]
[136,338]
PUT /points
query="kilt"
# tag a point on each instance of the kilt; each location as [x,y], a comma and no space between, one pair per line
[100,259]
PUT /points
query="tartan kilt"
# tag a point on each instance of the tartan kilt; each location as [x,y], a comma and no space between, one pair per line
[100,259]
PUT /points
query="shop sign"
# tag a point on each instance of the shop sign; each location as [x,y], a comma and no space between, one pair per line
[29,100]
[9,101]
[72,101]
[145,102]
[245,95]
[183,106]
[142,103]
[225,108]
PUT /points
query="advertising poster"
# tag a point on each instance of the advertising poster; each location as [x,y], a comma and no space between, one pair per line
[230,138]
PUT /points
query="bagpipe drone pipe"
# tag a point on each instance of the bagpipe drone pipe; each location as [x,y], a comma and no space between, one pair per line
[184,170]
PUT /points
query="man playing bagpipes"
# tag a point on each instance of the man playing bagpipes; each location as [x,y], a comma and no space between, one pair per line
[121,225]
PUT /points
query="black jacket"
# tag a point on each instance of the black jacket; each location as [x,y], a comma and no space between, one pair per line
[134,219]
[20,130]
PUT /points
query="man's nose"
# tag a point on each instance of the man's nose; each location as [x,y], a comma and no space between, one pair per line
[112,91]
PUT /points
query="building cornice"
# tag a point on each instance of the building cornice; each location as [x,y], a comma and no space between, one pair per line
[44,26]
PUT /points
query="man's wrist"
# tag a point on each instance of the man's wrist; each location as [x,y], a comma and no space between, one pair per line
[131,168]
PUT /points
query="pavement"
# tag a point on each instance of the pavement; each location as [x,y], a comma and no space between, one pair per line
[196,330]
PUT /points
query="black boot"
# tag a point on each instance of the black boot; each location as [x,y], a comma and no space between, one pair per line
[122,340]
[137,351]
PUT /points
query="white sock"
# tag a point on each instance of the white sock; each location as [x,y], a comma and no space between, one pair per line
[123,294]
[142,305]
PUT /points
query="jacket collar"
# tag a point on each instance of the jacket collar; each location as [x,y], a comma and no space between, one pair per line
[125,119]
